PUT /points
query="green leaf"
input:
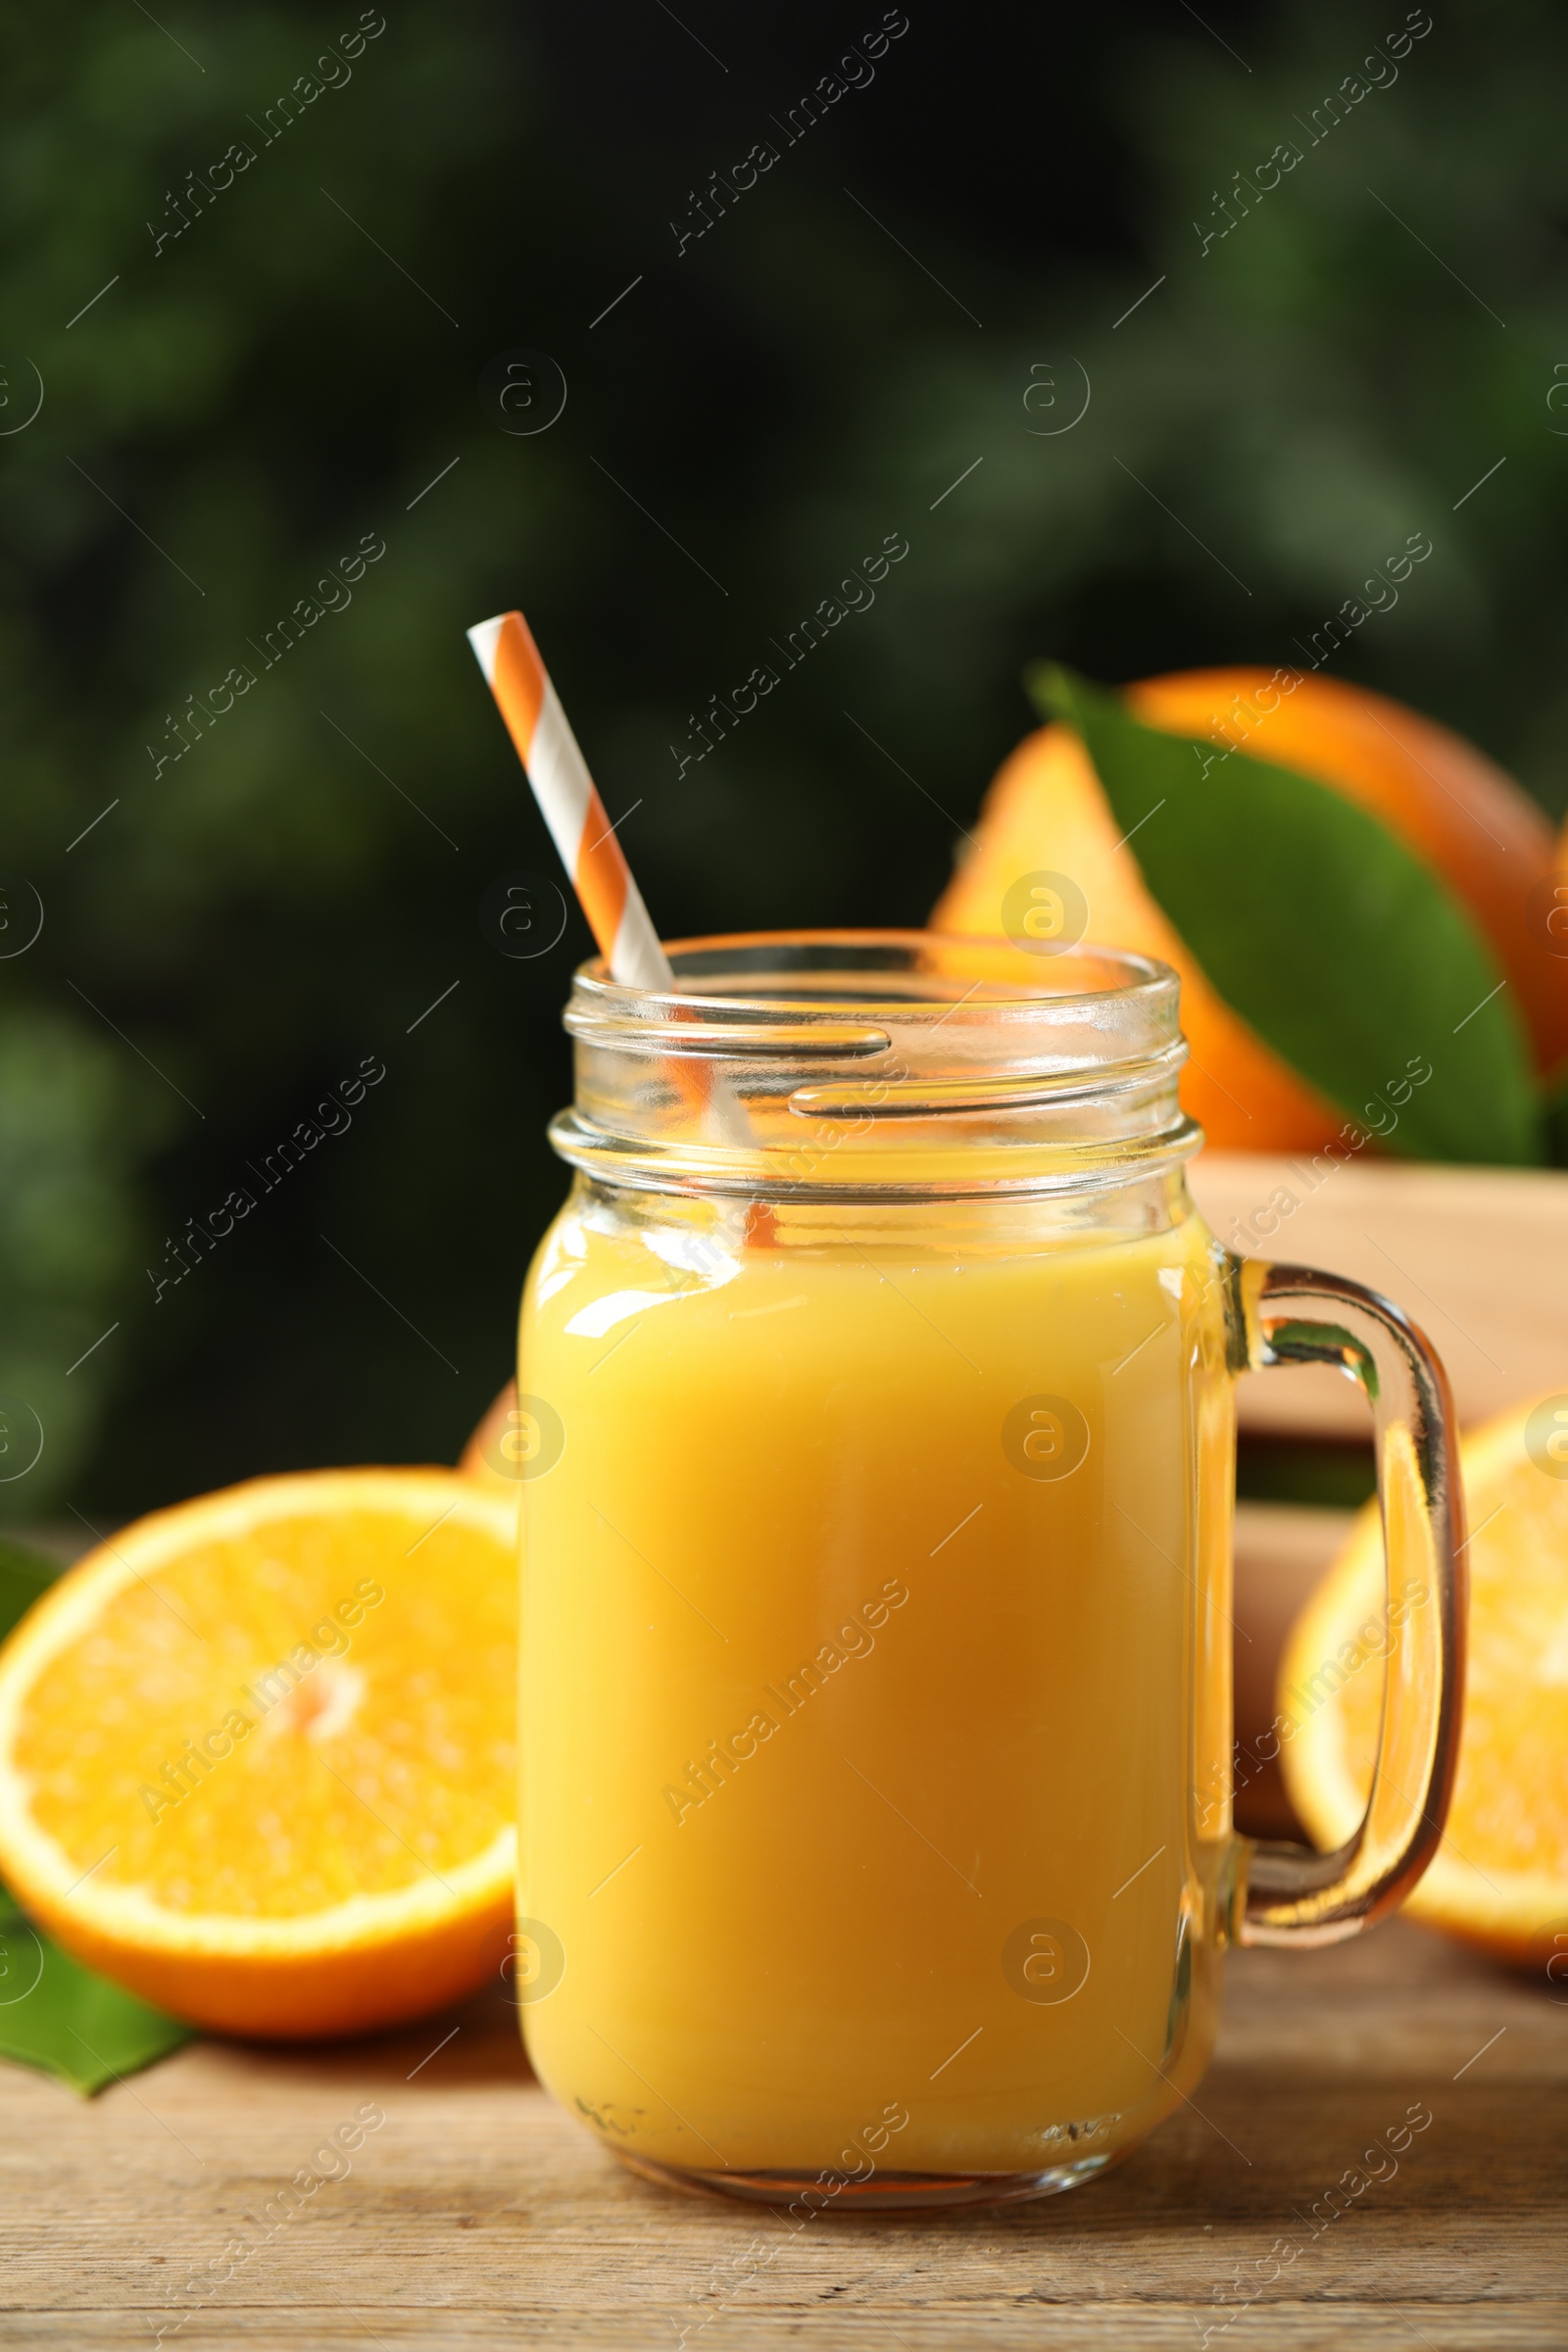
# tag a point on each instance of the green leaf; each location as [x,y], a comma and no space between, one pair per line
[24,1575]
[1326,1344]
[58,2015]
[54,2013]
[1323,931]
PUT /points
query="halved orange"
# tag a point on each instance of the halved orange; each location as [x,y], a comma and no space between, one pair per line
[258,1752]
[1500,1877]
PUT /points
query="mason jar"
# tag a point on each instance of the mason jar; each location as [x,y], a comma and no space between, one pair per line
[876,1389]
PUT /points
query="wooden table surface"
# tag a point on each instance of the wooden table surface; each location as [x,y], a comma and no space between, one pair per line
[478,2215]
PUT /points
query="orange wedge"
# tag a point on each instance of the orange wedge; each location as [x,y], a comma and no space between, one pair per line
[257,1754]
[1500,1877]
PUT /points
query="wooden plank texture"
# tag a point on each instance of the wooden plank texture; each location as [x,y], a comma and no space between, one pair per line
[478,2215]
[1477,1256]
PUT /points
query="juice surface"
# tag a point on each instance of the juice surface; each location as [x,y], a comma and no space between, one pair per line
[875,1708]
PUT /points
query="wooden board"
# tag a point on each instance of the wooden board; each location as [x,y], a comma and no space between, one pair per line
[478,2215]
[1281,1552]
[1477,1256]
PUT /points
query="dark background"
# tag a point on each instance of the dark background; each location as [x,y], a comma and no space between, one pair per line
[242,927]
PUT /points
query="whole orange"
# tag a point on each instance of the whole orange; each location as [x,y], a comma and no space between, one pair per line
[1441,797]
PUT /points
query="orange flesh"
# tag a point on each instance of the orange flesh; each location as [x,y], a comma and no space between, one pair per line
[1510,1801]
[1501,1876]
[355,1764]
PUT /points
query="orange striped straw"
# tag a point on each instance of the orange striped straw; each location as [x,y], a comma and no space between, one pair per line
[566,793]
[592,856]
[570,800]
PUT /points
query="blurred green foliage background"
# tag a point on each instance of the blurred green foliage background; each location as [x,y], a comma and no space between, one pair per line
[922,284]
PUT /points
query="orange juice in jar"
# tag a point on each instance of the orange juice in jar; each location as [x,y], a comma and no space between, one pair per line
[878,1382]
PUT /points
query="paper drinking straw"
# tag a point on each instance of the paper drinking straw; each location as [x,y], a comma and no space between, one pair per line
[573,810]
[594,859]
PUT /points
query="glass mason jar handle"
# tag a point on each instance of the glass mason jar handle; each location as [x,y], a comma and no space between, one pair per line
[1295,1315]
